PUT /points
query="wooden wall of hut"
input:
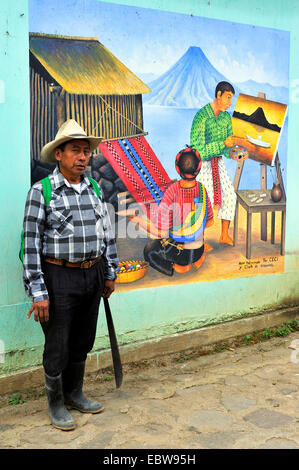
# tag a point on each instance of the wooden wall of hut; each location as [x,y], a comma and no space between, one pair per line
[43,118]
[110,116]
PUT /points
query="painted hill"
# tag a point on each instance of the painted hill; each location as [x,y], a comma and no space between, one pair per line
[190,82]
[257,117]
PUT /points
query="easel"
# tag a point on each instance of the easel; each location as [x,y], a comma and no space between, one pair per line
[263,187]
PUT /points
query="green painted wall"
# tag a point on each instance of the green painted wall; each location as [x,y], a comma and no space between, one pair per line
[146,313]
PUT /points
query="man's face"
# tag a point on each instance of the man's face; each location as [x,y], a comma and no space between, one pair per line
[225,100]
[74,159]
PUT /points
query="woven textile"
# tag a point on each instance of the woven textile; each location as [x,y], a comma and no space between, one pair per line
[138,167]
[216,181]
[208,132]
[228,195]
[193,226]
[184,212]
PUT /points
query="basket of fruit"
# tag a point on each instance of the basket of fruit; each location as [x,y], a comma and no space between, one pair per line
[130,271]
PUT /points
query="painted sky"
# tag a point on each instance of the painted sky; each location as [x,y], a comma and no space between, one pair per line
[150,41]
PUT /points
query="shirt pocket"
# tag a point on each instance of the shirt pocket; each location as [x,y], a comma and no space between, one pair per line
[61,222]
[100,213]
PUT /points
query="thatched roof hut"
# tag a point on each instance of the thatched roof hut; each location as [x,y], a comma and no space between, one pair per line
[75,77]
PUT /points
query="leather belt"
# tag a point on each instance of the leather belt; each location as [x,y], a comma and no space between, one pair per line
[81,264]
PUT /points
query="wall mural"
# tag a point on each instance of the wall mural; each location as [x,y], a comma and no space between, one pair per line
[193,115]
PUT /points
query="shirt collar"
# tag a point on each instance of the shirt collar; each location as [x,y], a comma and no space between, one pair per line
[59,180]
[211,113]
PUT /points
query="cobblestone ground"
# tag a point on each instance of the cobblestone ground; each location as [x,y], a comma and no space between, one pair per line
[244,398]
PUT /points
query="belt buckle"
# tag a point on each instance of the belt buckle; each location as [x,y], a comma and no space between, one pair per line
[86,264]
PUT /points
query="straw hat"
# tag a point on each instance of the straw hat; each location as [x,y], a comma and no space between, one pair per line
[69,130]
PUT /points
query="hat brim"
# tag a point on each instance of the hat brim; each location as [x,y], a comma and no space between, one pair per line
[47,152]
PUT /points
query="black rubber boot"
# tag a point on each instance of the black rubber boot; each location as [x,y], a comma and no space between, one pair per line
[72,378]
[60,417]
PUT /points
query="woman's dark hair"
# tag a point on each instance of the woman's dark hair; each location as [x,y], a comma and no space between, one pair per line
[224,86]
[188,163]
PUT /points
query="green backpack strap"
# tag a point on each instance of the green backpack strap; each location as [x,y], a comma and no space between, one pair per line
[47,189]
[95,187]
[47,193]
[21,252]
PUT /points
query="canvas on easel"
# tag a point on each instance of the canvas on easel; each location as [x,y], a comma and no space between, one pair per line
[257,124]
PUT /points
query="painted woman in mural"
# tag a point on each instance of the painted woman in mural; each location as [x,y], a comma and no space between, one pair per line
[179,221]
[212,136]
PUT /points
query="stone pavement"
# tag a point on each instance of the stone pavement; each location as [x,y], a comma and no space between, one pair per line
[243,398]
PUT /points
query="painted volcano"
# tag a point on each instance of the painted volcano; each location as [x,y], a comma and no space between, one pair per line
[189,83]
[258,118]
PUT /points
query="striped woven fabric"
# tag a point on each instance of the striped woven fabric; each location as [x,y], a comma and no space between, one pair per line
[134,161]
[216,181]
[194,224]
[138,167]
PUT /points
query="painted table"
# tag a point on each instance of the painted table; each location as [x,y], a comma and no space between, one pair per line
[247,200]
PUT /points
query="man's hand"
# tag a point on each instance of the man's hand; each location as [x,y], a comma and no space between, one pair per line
[108,288]
[41,311]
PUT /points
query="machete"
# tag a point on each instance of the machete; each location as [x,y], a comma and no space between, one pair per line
[118,373]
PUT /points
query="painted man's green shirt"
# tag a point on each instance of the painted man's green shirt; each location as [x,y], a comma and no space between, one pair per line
[208,132]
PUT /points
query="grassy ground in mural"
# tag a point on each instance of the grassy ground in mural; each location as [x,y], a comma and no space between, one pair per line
[223,262]
[106,376]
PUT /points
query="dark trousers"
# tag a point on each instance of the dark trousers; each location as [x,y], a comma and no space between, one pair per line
[162,254]
[75,295]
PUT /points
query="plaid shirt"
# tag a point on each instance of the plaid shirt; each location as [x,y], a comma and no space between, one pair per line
[208,132]
[74,227]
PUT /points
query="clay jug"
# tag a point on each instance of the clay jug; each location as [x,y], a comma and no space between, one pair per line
[276,192]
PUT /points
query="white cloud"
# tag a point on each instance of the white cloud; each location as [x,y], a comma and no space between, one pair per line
[248,67]
[240,71]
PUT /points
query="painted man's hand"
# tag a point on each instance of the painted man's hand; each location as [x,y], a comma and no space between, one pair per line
[41,311]
[108,288]
[229,141]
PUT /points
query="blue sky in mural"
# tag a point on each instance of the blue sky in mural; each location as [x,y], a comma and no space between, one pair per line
[151,43]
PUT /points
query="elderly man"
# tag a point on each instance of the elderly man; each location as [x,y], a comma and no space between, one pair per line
[211,135]
[70,259]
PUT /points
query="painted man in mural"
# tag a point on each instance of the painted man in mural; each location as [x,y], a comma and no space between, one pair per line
[70,260]
[212,136]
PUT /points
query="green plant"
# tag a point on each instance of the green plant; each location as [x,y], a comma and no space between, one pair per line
[247,339]
[285,330]
[268,334]
[16,399]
